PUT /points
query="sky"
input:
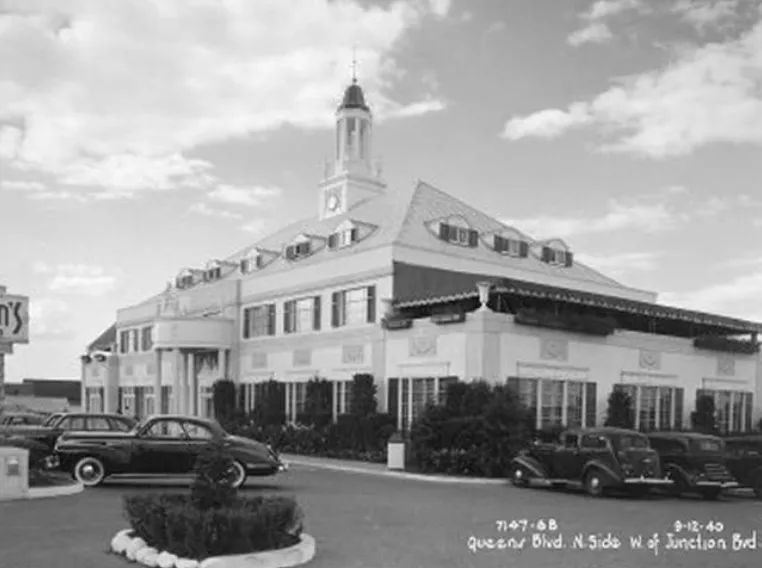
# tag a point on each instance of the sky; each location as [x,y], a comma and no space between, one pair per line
[138,137]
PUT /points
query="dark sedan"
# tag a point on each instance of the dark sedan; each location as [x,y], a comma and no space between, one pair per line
[160,445]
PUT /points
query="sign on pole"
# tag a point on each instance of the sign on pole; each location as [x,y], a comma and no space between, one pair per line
[14,318]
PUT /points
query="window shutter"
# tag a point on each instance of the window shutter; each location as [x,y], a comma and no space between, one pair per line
[523,249]
[498,243]
[244,266]
[332,240]
[316,313]
[271,319]
[353,234]
[290,252]
[545,254]
[473,238]
[287,308]
[444,231]
[335,309]
[569,259]
[371,297]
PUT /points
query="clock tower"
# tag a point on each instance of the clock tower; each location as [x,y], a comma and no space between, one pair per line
[351,178]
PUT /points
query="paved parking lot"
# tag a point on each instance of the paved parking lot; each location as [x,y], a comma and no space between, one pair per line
[367,521]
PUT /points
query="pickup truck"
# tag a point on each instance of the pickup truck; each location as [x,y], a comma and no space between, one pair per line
[56,424]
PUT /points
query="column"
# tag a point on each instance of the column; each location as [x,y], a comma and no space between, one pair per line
[584,405]
[222,363]
[288,403]
[539,404]
[399,403]
[637,407]
[743,410]
[409,417]
[565,404]
[82,387]
[191,404]
[672,417]
[157,398]
[334,399]
[177,383]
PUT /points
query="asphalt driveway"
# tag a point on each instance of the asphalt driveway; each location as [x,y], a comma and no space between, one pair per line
[367,521]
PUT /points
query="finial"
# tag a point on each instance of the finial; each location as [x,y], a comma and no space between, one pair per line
[354,65]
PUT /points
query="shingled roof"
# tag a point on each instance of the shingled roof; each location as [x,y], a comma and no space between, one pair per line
[104,341]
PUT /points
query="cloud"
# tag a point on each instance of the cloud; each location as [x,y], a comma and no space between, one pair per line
[703,14]
[596,32]
[248,196]
[10,140]
[256,227]
[708,94]
[649,218]
[546,123]
[22,185]
[50,319]
[737,297]
[77,278]
[204,209]
[622,262]
[595,29]
[116,95]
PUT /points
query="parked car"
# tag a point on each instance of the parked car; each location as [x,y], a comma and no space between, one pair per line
[743,455]
[56,424]
[595,459]
[161,445]
[40,455]
[696,462]
[21,419]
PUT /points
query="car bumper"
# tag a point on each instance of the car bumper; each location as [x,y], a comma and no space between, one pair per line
[717,484]
[282,466]
[658,481]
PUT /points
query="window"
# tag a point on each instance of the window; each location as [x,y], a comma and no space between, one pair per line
[72,423]
[124,341]
[733,409]
[146,338]
[654,408]
[197,431]
[459,235]
[557,402]
[213,274]
[298,250]
[512,247]
[259,321]
[632,442]
[184,281]
[252,263]
[296,394]
[407,397]
[571,440]
[302,315]
[710,446]
[118,425]
[557,256]
[135,340]
[343,238]
[165,429]
[207,402]
[354,307]
[592,441]
[98,423]
[149,404]
[127,400]
[343,396]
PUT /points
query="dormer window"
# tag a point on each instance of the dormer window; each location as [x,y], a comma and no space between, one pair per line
[459,235]
[298,250]
[345,235]
[213,272]
[184,281]
[252,263]
[511,247]
[557,257]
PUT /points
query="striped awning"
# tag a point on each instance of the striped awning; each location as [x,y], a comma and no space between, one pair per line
[422,286]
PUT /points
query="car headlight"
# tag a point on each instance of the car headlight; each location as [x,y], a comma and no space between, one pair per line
[627,469]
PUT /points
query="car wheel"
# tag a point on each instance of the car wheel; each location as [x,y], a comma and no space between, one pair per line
[89,471]
[680,486]
[237,475]
[519,477]
[594,484]
[757,487]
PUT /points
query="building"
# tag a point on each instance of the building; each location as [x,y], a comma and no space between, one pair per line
[417,288]
[44,395]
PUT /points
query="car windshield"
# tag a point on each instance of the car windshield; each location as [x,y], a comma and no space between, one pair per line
[50,419]
[709,446]
[632,442]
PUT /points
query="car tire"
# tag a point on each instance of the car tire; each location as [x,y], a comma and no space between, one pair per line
[710,494]
[240,475]
[757,486]
[519,477]
[680,486]
[594,484]
[89,471]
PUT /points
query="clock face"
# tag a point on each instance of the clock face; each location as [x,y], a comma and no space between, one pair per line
[333,202]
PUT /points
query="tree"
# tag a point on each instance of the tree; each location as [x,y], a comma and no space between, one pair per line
[363,395]
[703,418]
[620,413]
[318,403]
[270,403]
[224,400]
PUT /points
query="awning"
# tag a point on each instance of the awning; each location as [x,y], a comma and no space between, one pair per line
[421,286]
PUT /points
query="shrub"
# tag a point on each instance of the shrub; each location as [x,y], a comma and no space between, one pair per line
[703,418]
[620,413]
[363,395]
[173,522]
[224,399]
[211,487]
[318,403]
[270,403]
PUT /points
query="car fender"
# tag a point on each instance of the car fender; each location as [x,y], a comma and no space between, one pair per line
[111,456]
[603,468]
[531,464]
[673,470]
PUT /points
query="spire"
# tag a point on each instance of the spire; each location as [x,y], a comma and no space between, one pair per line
[353,95]
[354,65]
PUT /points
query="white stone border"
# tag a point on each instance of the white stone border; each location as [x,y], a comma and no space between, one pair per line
[135,549]
[54,491]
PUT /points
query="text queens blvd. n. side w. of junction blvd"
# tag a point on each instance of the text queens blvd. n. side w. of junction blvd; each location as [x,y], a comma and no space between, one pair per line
[657,543]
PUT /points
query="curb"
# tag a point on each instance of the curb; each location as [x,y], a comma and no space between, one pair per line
[135,549]
[400,474]
[55,491]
